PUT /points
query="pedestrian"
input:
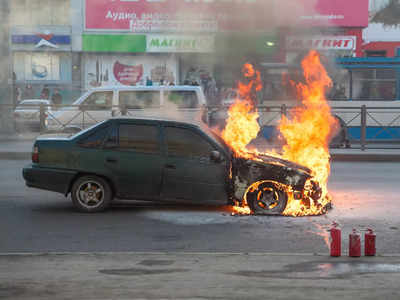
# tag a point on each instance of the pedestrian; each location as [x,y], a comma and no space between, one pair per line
[45,94]
[28,92]
[56,98]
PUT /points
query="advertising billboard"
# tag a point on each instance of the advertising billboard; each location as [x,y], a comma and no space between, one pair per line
[174,16]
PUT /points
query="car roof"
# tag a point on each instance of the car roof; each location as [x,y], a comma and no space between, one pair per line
[150,88]
[158,120]
[34,101]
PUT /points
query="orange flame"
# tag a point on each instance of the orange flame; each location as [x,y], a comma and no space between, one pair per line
[242,125]
[306,133]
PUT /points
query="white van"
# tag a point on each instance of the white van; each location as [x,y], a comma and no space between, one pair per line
[98,104]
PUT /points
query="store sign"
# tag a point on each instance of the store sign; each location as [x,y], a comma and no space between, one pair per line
[179,43]
[41,39]
[155,16]
[113,43]
[322,13]
[321,43]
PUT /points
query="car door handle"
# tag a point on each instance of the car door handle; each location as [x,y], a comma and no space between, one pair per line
[170,166]
[111,160]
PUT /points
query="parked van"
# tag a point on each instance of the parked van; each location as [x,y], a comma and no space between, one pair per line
[175,102]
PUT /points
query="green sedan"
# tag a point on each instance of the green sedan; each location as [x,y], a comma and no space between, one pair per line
[163,161]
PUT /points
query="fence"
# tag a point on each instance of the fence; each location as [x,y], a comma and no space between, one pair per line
[366,127]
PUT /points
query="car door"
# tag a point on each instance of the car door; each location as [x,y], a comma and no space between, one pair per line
[95,108]
[189,172]
[133,155]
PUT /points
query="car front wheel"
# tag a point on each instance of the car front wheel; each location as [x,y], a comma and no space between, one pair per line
[91,194]
[266,198]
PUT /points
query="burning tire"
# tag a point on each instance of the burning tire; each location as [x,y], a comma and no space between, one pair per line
[266,198]
[91,194]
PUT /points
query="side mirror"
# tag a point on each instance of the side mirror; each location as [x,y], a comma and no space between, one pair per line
[216,156]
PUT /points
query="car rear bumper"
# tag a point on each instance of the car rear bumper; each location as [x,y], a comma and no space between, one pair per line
[56,180]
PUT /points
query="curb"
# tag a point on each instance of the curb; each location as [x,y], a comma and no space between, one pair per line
[366,157]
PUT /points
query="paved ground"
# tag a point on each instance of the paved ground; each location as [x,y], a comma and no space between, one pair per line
[365,195]
[197,276]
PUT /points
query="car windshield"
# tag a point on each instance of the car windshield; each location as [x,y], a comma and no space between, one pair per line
[216,138]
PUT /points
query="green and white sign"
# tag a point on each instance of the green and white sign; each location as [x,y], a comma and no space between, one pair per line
[159,43]
[114,43]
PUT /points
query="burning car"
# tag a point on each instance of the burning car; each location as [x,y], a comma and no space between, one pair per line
[166,161]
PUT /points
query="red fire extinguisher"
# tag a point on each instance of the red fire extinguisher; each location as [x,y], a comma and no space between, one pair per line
[336,240]
[354,244]
[369,243]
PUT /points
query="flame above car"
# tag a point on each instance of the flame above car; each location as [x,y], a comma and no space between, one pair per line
[305,132]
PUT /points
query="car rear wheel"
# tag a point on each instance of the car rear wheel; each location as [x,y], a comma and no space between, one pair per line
[266,198]
[91,194]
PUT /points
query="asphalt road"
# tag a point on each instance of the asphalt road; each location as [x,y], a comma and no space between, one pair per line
[365,195]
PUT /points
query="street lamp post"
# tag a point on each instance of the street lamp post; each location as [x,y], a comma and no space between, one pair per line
[6,90]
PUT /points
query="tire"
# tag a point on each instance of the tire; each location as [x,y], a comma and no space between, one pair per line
[267,199]
[91,194]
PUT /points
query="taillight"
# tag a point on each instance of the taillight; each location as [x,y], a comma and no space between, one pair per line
[35,154]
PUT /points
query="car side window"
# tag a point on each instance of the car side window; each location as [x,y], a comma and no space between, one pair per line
[186,143]
[139,138]
[98,100]
[182,99]
[95,140]
[139,99]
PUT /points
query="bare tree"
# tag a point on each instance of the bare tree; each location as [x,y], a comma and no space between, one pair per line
[389,15]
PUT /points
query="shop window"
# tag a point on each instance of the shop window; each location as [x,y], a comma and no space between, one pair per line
[139,138]
[374,84]
[182,99]
[42,66]
[375,53]
[40,12]
[139,99]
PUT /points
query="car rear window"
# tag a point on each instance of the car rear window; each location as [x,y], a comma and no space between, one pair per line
[186,143]
[94,140]
[139,138]
[139,99]
[182,99]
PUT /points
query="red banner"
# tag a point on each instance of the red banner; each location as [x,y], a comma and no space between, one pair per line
[145,16]
[175,15]
[127,75]
[322,13]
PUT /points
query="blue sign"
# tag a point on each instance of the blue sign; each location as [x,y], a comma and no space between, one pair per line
[35,39]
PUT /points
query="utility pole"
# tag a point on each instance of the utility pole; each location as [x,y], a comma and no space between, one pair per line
[6,78]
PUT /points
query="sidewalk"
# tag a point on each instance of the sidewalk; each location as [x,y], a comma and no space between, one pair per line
[197,276]
[20,147]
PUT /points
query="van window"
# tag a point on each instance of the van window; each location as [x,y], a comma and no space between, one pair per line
[98,100]
[139,99]
[182,99]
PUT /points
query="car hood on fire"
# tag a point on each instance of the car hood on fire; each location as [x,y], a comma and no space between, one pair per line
[268,159]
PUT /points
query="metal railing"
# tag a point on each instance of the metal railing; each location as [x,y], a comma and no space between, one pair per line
[357,119]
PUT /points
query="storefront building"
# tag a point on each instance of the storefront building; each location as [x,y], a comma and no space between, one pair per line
[172,42]
[41,47]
